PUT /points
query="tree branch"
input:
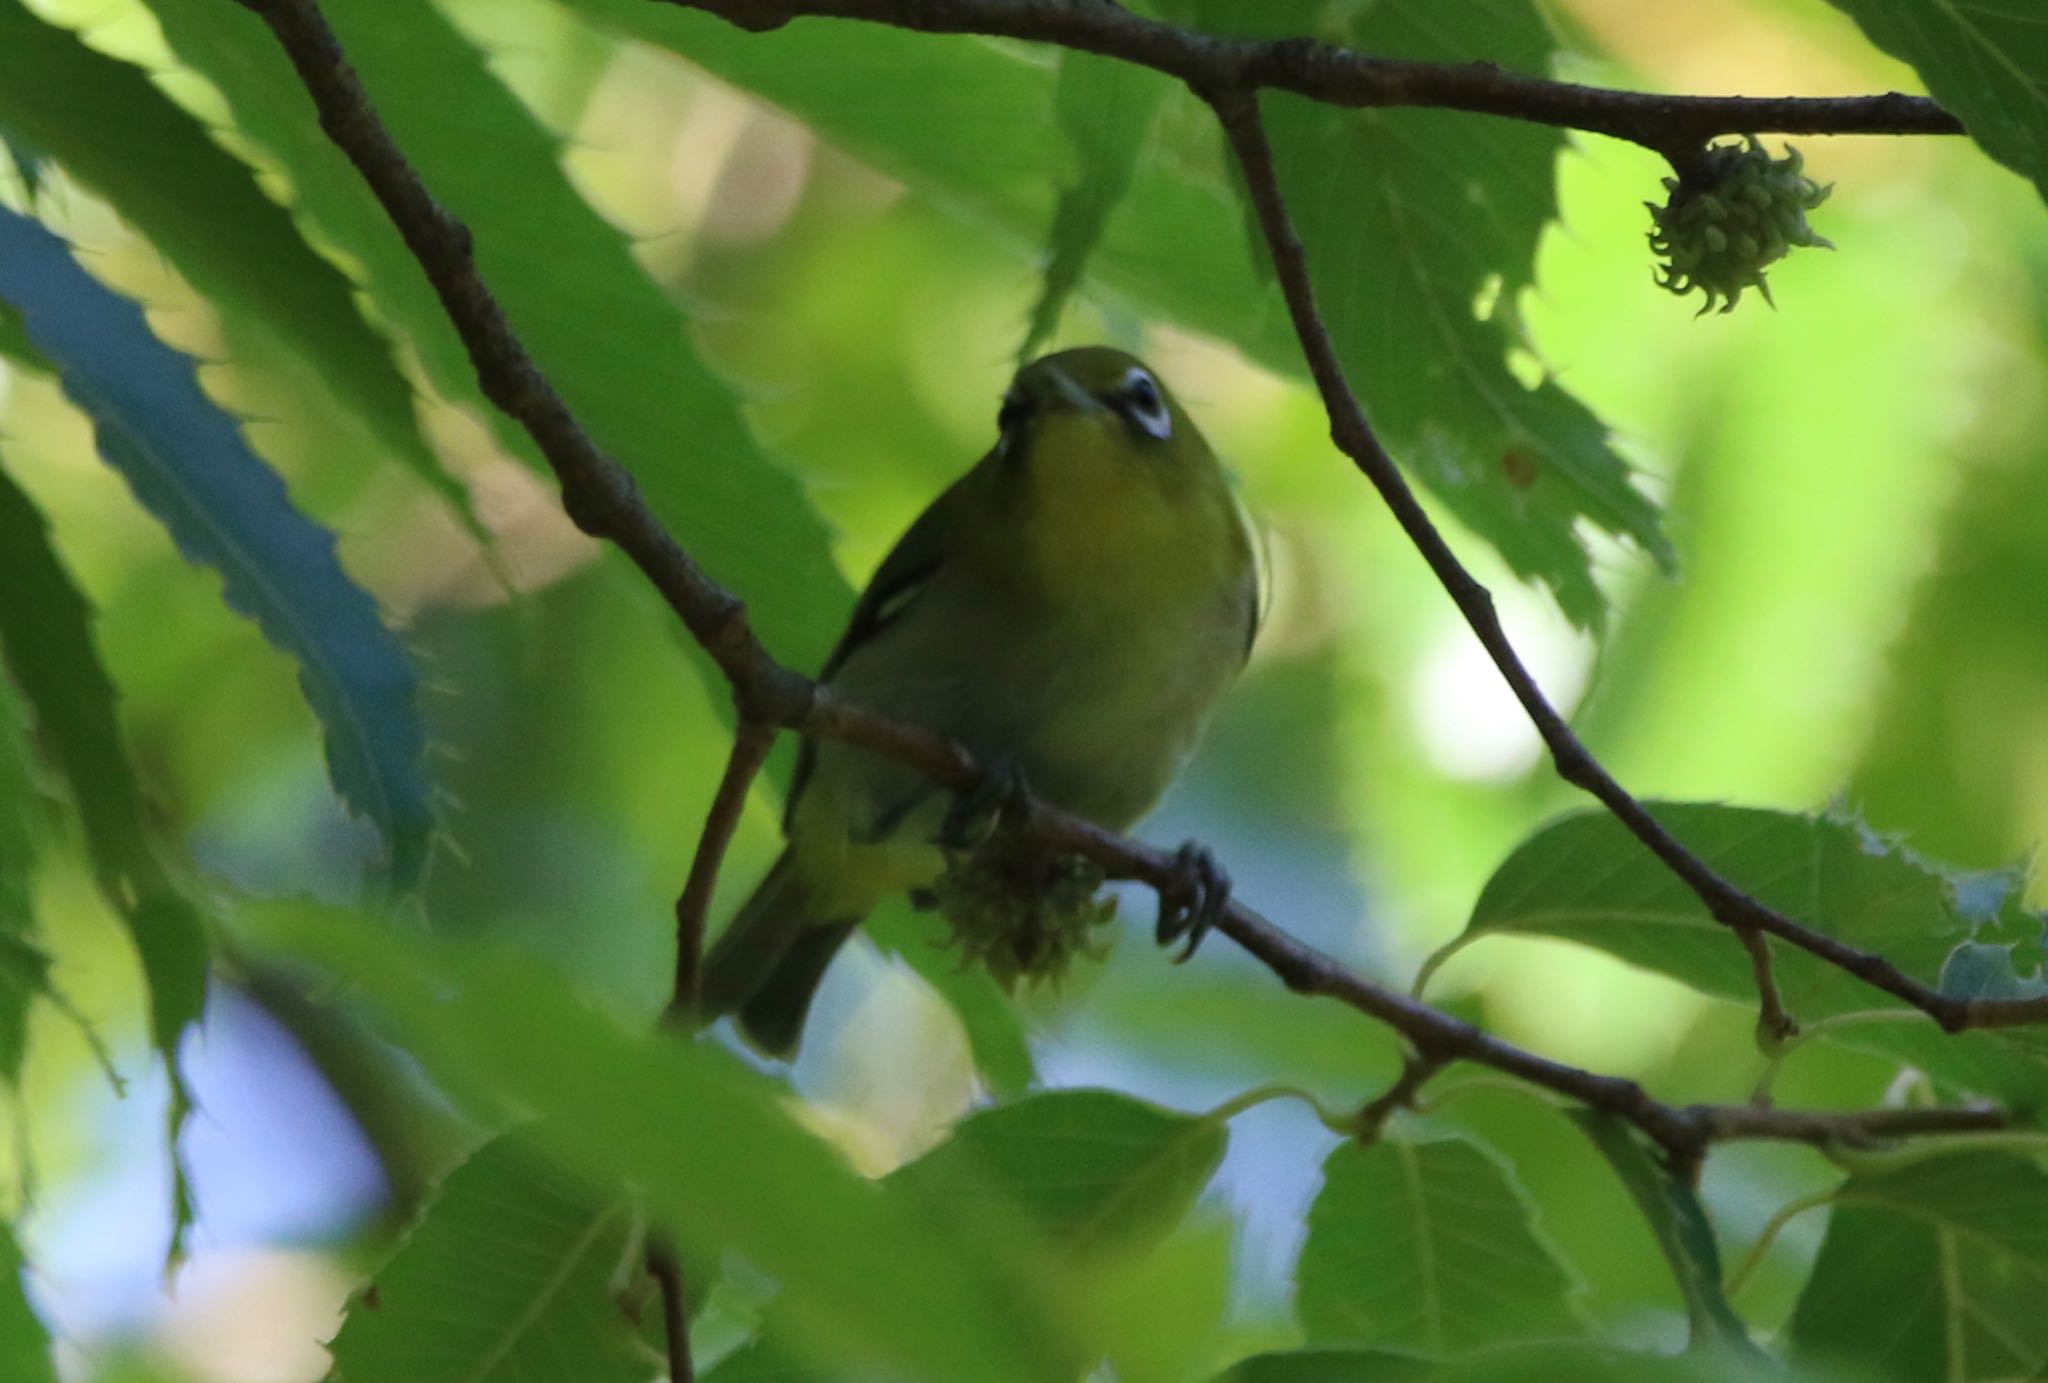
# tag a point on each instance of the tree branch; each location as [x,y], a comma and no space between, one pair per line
[603,500]
[1354,436]
[750,745]
[1859,1129]
[1343,77]
[1417,1070]
[667,1271]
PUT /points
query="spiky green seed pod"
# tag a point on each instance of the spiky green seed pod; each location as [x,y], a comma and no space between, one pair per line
[1734,213]
[1022,913]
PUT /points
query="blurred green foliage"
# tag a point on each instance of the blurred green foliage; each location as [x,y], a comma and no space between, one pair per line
[784,277]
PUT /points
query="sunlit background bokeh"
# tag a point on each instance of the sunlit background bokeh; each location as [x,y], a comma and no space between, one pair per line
[1857,484]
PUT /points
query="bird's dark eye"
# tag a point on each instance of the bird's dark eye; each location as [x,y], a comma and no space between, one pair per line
[1015,408]
[1140,402]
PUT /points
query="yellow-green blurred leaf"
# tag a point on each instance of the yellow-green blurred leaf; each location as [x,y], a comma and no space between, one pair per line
[867,1278]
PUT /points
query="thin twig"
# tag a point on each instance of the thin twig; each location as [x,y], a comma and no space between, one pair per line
[667,1271]
[1344,77]
[1417,1070]
[750,745]
[604,501]
[1774,1023]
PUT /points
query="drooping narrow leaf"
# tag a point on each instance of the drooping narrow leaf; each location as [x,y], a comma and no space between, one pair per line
[24,1345]
[614,343]
[189,465]
[1986,60]
[1680,1225]
[1404,242]
[512,1272]
[1429,1246]
[24,970]
[868,1282]
[1097,1171]
[1583,878]
[1105,108]
[14,342]
[1934,1270]
[46,639]
[28,164]
[109,127]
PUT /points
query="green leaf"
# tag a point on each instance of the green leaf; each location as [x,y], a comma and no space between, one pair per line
[1579,1363]
[1098,1172]
[1680,1225]
[761,1362]
[1429,1246]
[1934,1270]
[1984,970]
[1106,109]
[1584,878]
[24,1346]
[24,970]
[1434,210]
[868,1280]
[608,336]
[189,466]
[513,1271]
[1090,1185]
[46,638]
[110,128]
[28,164]
[1432,205]
[1329,1366]
[1986,60]
[15,345]
[995,1032]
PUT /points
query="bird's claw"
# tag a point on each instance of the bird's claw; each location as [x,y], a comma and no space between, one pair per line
[1193,902]
[977,811]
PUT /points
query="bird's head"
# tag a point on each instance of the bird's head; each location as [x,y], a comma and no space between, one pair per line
[1098,390]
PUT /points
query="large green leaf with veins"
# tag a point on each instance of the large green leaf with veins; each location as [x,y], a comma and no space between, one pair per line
[1421,229]
[1584,878]
[511,1275]
[1431,1246]
[1933,1270]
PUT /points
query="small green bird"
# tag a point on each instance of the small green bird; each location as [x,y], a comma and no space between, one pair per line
[1072,607]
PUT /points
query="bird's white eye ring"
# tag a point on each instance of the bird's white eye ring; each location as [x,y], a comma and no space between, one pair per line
[1140,401]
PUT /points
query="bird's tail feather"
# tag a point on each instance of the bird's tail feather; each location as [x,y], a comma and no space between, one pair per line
[767,964]
[773,1016]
